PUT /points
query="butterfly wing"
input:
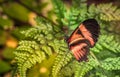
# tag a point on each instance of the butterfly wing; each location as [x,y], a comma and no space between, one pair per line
[92,27]
[83,37]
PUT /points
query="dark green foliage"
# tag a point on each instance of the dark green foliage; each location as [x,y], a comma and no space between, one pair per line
[41,42]
[47,38]
[110,13]
[5,23]
[83,68]
[12,9]
[4,67]
[34,5]
[107,42]
[59,10]
[61,60]
[111,63]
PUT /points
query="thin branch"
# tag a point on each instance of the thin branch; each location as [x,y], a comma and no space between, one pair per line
[18,1]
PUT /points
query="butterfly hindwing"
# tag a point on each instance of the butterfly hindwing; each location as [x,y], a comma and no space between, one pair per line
[84,37]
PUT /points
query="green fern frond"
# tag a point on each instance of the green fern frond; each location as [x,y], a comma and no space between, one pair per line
[108,12]
[84,67]
[106,42]
[47,38]
[93,11]
[57,45]
[59,9]
[107,46]
[79,3]
[26,55]
[51,26]
[74,17]
[61,60]
[113,28]
[41,41]
[111,64]
[42,33]
[31,44]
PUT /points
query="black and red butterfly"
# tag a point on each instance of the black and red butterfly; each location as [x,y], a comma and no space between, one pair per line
[83,38]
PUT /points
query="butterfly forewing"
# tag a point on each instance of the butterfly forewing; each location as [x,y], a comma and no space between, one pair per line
[84,37]
[93,27]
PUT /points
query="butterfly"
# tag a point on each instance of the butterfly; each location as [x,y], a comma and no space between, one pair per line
[83,38]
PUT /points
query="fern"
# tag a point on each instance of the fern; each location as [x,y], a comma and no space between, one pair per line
[41,41]
[109,13]
[70,67]
[74,16]
[61,60]
[59,9]
[107,42]
[27,54]
[79,3]
[111,64]
[47,38]
[83,68]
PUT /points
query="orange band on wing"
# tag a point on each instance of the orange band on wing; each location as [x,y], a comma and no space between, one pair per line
[87,34]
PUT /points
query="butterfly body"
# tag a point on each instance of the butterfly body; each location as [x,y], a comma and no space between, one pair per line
[83,38]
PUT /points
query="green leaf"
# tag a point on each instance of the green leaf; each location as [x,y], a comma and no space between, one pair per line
[4,67]
[6,23]
[8,53]
[16,11]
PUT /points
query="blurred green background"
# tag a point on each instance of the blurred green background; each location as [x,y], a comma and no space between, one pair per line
[16,15]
